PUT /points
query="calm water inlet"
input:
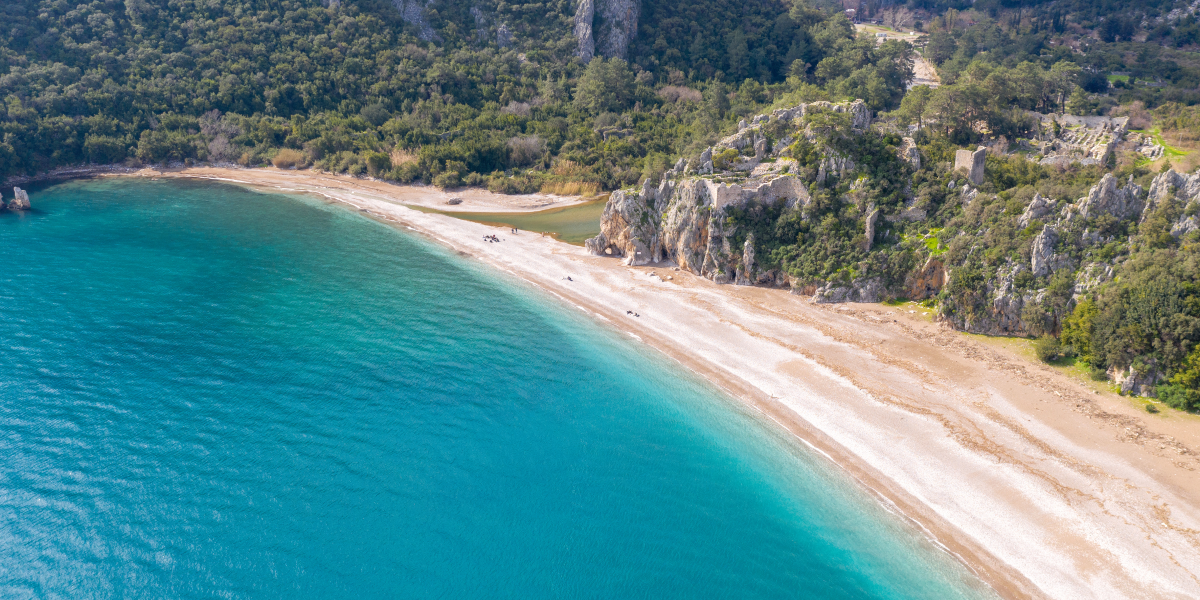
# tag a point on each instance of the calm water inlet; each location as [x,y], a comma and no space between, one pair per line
[208,392]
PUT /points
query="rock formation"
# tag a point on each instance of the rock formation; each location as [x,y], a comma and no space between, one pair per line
[605,27]
[684,220]
[972,163]
[1038,209]
[1043,251]
[585,12]
[20,200]
[1105,198]
[413,11]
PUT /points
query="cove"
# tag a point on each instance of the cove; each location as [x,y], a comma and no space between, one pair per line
[214,392]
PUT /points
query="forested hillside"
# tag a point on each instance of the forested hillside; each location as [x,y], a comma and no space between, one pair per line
[492,91]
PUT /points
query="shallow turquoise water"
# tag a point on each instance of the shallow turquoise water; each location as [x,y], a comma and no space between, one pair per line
[207,392]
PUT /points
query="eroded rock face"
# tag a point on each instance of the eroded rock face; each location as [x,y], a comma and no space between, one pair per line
[1173,185]
[20,200]
[1003,314]
[926,282]
[617,26]
[585,12]
[1105,198]
[1043,251]
[1135,382]
[684,220]
[628,228]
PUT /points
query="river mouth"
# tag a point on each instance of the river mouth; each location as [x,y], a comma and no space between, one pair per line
[571,224]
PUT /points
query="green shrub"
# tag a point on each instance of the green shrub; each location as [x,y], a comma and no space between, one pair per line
[724,159]
[1047,348]
[447,180]
[1177,396]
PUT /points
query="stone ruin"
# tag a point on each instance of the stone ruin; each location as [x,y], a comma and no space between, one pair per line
[1085,140]
[972,163]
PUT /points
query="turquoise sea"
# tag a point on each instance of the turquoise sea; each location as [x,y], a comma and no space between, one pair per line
[208,392]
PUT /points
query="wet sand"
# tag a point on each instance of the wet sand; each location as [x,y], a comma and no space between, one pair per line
[1040,484]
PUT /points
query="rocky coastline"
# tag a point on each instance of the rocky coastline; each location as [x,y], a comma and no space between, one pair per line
[683,221]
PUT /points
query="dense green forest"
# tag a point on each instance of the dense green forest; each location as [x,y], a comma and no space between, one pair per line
[496,94]
[353,88]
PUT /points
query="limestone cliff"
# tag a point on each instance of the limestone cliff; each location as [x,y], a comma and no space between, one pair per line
[683,219]
[605,27]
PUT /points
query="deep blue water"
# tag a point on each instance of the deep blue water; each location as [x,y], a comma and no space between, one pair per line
[207,392]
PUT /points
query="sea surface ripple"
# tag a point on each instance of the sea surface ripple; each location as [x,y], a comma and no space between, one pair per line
[209,392]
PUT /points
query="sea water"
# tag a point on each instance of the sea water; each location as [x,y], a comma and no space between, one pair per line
[209,392]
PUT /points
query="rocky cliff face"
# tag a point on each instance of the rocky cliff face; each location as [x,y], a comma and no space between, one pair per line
[683,219]
[605,27]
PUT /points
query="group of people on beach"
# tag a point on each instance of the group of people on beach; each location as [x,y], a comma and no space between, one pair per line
[631,313]
[490,238]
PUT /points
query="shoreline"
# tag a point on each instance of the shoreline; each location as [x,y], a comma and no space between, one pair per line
[1007,466]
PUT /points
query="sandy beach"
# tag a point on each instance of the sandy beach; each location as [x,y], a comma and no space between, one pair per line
[1046,485]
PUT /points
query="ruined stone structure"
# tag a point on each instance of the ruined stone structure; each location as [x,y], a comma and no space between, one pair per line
[972,163]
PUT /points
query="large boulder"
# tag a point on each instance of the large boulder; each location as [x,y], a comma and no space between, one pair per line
[20,200]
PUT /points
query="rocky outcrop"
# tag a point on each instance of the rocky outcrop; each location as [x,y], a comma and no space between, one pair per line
[1043,251]
[1002,315]
[585,13]
[972,163]
[927,281]
[605,27]
[1038,210]
[413,12]
[1091,277]
[617,26]
[685,222]
[1136,382]
[684,219]
[1105,198]
[20,200]
[1173,184]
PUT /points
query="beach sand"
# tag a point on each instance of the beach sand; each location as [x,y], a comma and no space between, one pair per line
[1038,482]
